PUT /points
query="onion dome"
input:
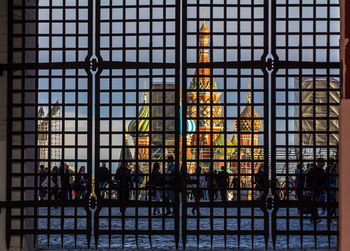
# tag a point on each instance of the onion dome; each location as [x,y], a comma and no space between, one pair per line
[220,141]
[190,124]
[191,127]
[247,124]
[142,121]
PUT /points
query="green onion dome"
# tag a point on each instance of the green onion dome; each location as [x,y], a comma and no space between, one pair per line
[220,141]
[142,121]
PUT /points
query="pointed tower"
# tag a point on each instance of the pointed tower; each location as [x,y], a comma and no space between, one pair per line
[249,122]
[208,117]
[139,130]
[249,125]
[125,153]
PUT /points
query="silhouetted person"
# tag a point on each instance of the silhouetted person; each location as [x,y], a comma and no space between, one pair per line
[54,184]
[66,181]
[212,184]
[316,180]
[170,184]
[204,184]
[182,182]
[81,184]
[123,179]
[156,181]
[102,176]
[260,181]
[194,184]
[223,182]
[331,184]
[42,177]
[299,181]
[137,180]
[235,185]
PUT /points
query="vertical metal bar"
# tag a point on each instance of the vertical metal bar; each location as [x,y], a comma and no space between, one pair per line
[184,120]
[177,116]
[273,126]
[9,120]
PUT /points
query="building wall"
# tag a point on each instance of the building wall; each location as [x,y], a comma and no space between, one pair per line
[344,156]
[159,110]
[3,121]
[15,240]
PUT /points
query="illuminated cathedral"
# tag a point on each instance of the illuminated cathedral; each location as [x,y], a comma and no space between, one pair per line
[205,126]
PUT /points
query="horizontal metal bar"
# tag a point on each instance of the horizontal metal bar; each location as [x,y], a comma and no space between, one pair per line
[45,66]
[307,232]
[45,203]
[226,232]
[132,232]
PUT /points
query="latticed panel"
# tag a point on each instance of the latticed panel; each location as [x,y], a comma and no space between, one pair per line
[225,114]
[49,121]
[137,121]
[305,109]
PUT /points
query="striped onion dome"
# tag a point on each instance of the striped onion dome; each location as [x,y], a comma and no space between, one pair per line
[191,127]
[220,141]
[142,120]
[246,124]
[190,124]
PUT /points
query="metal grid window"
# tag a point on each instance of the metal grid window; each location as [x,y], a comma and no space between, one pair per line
[250,86]
[305,110]
[137,117]
[224,104]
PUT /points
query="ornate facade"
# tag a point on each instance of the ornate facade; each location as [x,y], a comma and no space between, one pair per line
[205,126]
[204,108]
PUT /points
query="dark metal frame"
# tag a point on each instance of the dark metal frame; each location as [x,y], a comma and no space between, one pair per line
[23,90]
[120,70]
[26,68]
[238,210]
[320,65]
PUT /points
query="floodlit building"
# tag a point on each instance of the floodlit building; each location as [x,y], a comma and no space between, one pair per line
[316,119]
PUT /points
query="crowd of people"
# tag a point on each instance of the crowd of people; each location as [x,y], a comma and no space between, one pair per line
[317,184]
[61,183]
[313,183]
[164,186]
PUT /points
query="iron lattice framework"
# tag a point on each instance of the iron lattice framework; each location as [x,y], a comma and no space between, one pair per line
[216,84]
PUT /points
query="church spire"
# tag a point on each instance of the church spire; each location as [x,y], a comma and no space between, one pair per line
[145,93]
[204,32]
[249,94]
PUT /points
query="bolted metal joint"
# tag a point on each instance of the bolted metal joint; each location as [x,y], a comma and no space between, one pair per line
[270,64]
[269,203]
[93,202]
[93,64]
